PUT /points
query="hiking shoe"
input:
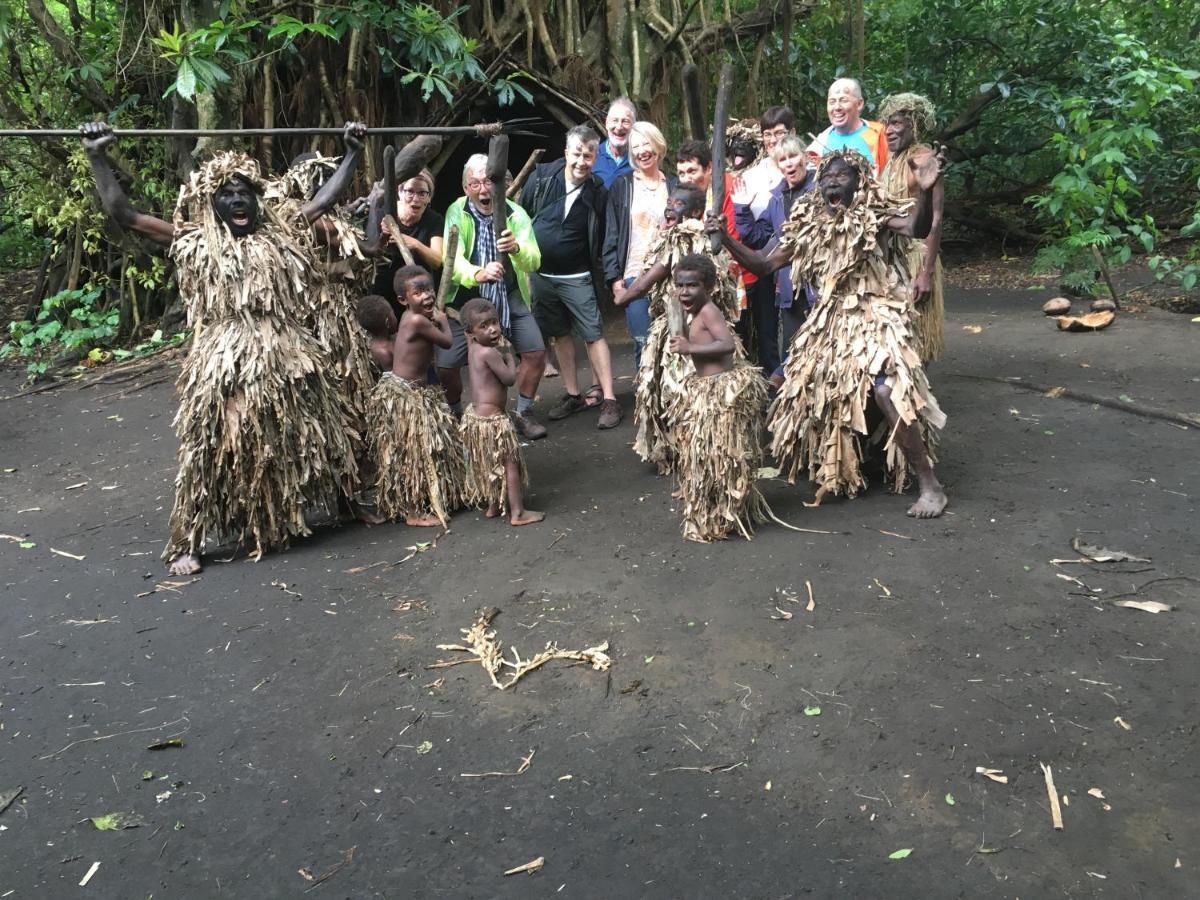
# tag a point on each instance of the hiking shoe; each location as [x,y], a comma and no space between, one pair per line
[610,414]
[567,406]
[528,427]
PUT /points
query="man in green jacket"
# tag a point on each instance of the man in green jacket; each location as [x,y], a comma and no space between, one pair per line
[477,270]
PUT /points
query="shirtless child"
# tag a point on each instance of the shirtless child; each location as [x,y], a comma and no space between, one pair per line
[379,322]
[661,373]
[414,437]
[495,467]
[720,418]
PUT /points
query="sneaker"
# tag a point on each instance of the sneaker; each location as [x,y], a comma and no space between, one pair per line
[610,414]
[567,406]
[528,427]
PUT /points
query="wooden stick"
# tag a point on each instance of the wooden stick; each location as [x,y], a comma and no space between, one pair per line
[390,200]
[515,188]
[1052,793]
[1149,412]
[497,172]
[1116,298]
[449,252]
[720,123]
[485,129]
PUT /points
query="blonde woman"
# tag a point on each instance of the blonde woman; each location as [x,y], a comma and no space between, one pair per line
[636,202]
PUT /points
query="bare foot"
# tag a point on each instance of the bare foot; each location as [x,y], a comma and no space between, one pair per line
[929,505]
[492,511]
[184,564]
[422,521]
[527,517]
[677,494]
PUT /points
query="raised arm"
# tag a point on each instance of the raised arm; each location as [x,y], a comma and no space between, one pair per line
[339,181]
[96,138]
[642,284]
[927,169]
[758,263]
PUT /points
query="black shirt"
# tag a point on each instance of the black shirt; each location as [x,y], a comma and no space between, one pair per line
[564,242]
[425,229]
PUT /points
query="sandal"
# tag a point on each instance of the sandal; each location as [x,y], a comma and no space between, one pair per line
[593,396]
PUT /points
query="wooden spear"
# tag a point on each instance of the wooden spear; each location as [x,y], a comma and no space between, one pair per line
[485,129]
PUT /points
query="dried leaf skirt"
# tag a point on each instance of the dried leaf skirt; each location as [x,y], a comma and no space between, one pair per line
[336,328]
[416,450]
[261,437]
[719,435]
[819,418]
[488,443]
[929,326]
[659,388]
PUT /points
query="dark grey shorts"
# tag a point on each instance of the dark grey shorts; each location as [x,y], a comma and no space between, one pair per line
[522,332]
[562,305]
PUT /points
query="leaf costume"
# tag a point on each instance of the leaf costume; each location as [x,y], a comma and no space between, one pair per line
[261,434]
[488,443]
[930,316]
[719,437]
[416,450]
[662,372]
[862,326]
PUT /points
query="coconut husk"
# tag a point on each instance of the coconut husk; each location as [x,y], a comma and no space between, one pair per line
[261,436]
[719,436]
[488,443]
[929,327]
[671,245]
[416,449]
[861,326]
[1092,321]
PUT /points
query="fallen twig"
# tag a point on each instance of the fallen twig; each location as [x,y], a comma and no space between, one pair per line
[526,762]
[532,866]
[347,856]
[105,737]
[1052,793]
[1146,412]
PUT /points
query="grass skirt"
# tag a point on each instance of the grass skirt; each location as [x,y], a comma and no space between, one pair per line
[719,436]
[416,450]
[261,437]
[488,443]
[929,325]
[659,387]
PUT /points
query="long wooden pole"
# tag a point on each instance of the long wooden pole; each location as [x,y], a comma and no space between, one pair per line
[720,122]
[485,129]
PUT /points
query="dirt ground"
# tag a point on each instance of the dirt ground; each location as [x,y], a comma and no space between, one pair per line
[316,742]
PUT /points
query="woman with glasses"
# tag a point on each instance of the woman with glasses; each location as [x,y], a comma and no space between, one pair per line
[421,227]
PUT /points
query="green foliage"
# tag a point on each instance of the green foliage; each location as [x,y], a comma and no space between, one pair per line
[1107,148]
[69,320]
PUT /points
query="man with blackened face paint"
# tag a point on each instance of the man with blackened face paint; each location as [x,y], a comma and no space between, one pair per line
[856,344]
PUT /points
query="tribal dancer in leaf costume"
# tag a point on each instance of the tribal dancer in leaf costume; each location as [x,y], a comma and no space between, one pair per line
[907,118]
[858,342]
[261,434]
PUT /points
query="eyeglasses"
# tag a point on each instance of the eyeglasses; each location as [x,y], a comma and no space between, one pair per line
[414,193]
[476,185]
